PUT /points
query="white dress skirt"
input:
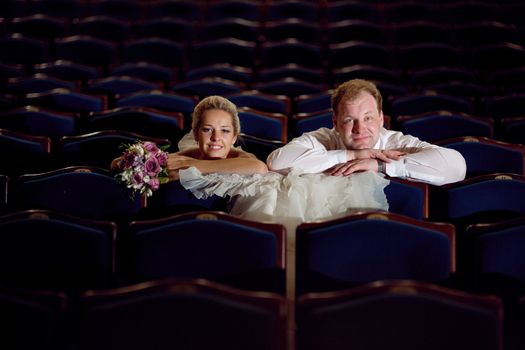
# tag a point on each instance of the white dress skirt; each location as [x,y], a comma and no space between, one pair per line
[292,198]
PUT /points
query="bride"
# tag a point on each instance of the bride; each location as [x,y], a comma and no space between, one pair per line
[215,167]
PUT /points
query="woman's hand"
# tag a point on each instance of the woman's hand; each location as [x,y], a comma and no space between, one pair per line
[176,161]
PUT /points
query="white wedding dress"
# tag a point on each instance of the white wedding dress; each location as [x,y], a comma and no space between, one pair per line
[292,198]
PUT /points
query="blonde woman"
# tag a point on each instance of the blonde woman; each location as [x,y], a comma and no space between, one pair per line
[216,128]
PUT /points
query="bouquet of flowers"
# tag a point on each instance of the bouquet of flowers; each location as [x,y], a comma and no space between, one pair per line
[143,167]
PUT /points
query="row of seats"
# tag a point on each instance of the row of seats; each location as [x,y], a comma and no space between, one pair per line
[17,48]
[47,140]
[335,259]
[469,34]
[392,10]
[70,112]
[289,79]
[66,190]
[74,254]
[198,314]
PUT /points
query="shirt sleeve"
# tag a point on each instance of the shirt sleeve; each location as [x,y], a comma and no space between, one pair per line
[307,153]
[424,162]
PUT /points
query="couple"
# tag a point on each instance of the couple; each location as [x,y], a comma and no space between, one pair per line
[318,175]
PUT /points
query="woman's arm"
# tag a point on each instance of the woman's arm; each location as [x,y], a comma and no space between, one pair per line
[238,161]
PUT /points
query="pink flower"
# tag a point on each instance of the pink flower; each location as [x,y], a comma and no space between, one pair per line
[152,166]
[162,158]
[154,183]
[150,147]
[138,178]
[129,159]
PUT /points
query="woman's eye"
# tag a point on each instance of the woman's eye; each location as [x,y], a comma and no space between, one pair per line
[226,131]
[206,129]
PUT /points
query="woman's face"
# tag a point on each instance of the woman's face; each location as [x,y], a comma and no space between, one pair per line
[216,134]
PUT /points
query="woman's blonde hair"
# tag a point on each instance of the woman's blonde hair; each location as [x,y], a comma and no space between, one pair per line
[215,102]
[351,89]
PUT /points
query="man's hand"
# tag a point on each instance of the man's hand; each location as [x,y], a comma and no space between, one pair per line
[363,160]
[384,155]
[353,166]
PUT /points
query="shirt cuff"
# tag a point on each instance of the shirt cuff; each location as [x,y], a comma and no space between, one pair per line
[340,156]
[396,168]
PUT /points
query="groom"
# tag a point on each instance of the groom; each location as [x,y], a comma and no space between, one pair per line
[359,142]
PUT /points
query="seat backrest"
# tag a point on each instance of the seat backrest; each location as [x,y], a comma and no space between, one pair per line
[495,248]
[428,101]
[182,314]
[237,28]
[173,247]
[24,153]
[305,122]
[98,148]
[443,125]
[40,121]
[160,100]
[36,83]
[207,86]
[67,101]
[50,250]
[486,156]
[513,130]
[31,318]
[290,87]
[103,27]
[271,126]
[485,198]
[261,101]
[277,53]
[162,51]
[177,29]
[372,246]
[504,106]
[225,50]
[226,71]
[19,49]
[314,102]
[260,147]
[399,315]
[145,121]
[407,198]
[87,192]
[80,48]
[68,70]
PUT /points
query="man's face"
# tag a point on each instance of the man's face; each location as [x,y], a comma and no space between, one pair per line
[358,122]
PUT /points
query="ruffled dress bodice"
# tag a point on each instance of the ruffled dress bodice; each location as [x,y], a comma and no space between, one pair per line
[292,198]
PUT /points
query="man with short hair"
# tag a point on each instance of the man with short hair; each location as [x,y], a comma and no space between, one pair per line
[359,142]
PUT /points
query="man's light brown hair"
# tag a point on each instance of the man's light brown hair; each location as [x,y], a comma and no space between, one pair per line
[351,89]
